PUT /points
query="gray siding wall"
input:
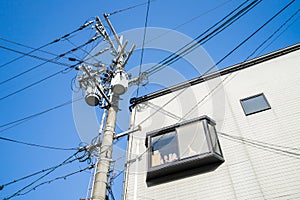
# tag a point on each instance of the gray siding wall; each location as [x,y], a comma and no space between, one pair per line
[249,171]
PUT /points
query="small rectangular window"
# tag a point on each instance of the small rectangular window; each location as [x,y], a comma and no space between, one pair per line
[255,104]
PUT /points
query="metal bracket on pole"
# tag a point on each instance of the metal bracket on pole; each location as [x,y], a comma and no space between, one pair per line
[138,128]
[138,80]
[112,29]
[121,52]
[103,32]
[129,54]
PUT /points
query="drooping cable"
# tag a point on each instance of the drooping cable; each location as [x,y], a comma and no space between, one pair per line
[28,47]
[35,173]
[143,45]
[50,43]
[203,36]
[164,111]
[85,51]
[82,158]
[41,177]
[35,83]
[274,33]
[30,117]
[191,20]
[53,60]
[266,146]
[34,56]
[52,75]
[129,8]
[111,193]
[56,179]
[37,145]
[283,31]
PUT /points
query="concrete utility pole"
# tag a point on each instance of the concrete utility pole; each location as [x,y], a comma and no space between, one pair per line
[103,166]
[104,85]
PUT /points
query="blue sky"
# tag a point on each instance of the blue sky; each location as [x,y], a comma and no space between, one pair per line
[35,23]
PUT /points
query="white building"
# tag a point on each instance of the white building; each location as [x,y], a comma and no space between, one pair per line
[256,108]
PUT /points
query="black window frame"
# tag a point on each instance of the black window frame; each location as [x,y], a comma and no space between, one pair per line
[257,111]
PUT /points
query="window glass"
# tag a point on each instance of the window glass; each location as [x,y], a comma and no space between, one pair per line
[164,149]
[214,139]
[191,140]
[255,104]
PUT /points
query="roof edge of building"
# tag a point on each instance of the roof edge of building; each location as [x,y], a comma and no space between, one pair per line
[230,69]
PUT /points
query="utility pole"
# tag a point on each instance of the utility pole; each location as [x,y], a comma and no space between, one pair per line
[105,157]
[103,86]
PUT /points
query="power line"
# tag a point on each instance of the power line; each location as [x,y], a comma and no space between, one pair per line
[264,145]
[81,158]
[41,177]
[35,83]
[53,60]
[86,155]
[164,111]
[274,33]
[56,179]
[35,173]
[144,36]
[250,56]
[206,38]
[129,8]
[22,73]
[190,20]
[36,145]
[254,33]
[47,52]
[190,49]
[52,75]
[111,193]
[202,14]
[24,119]
[85,51]
[260,142]
[34,56]
[26,46]
[202,37]
[143,45]
[50,43]
[279,35]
